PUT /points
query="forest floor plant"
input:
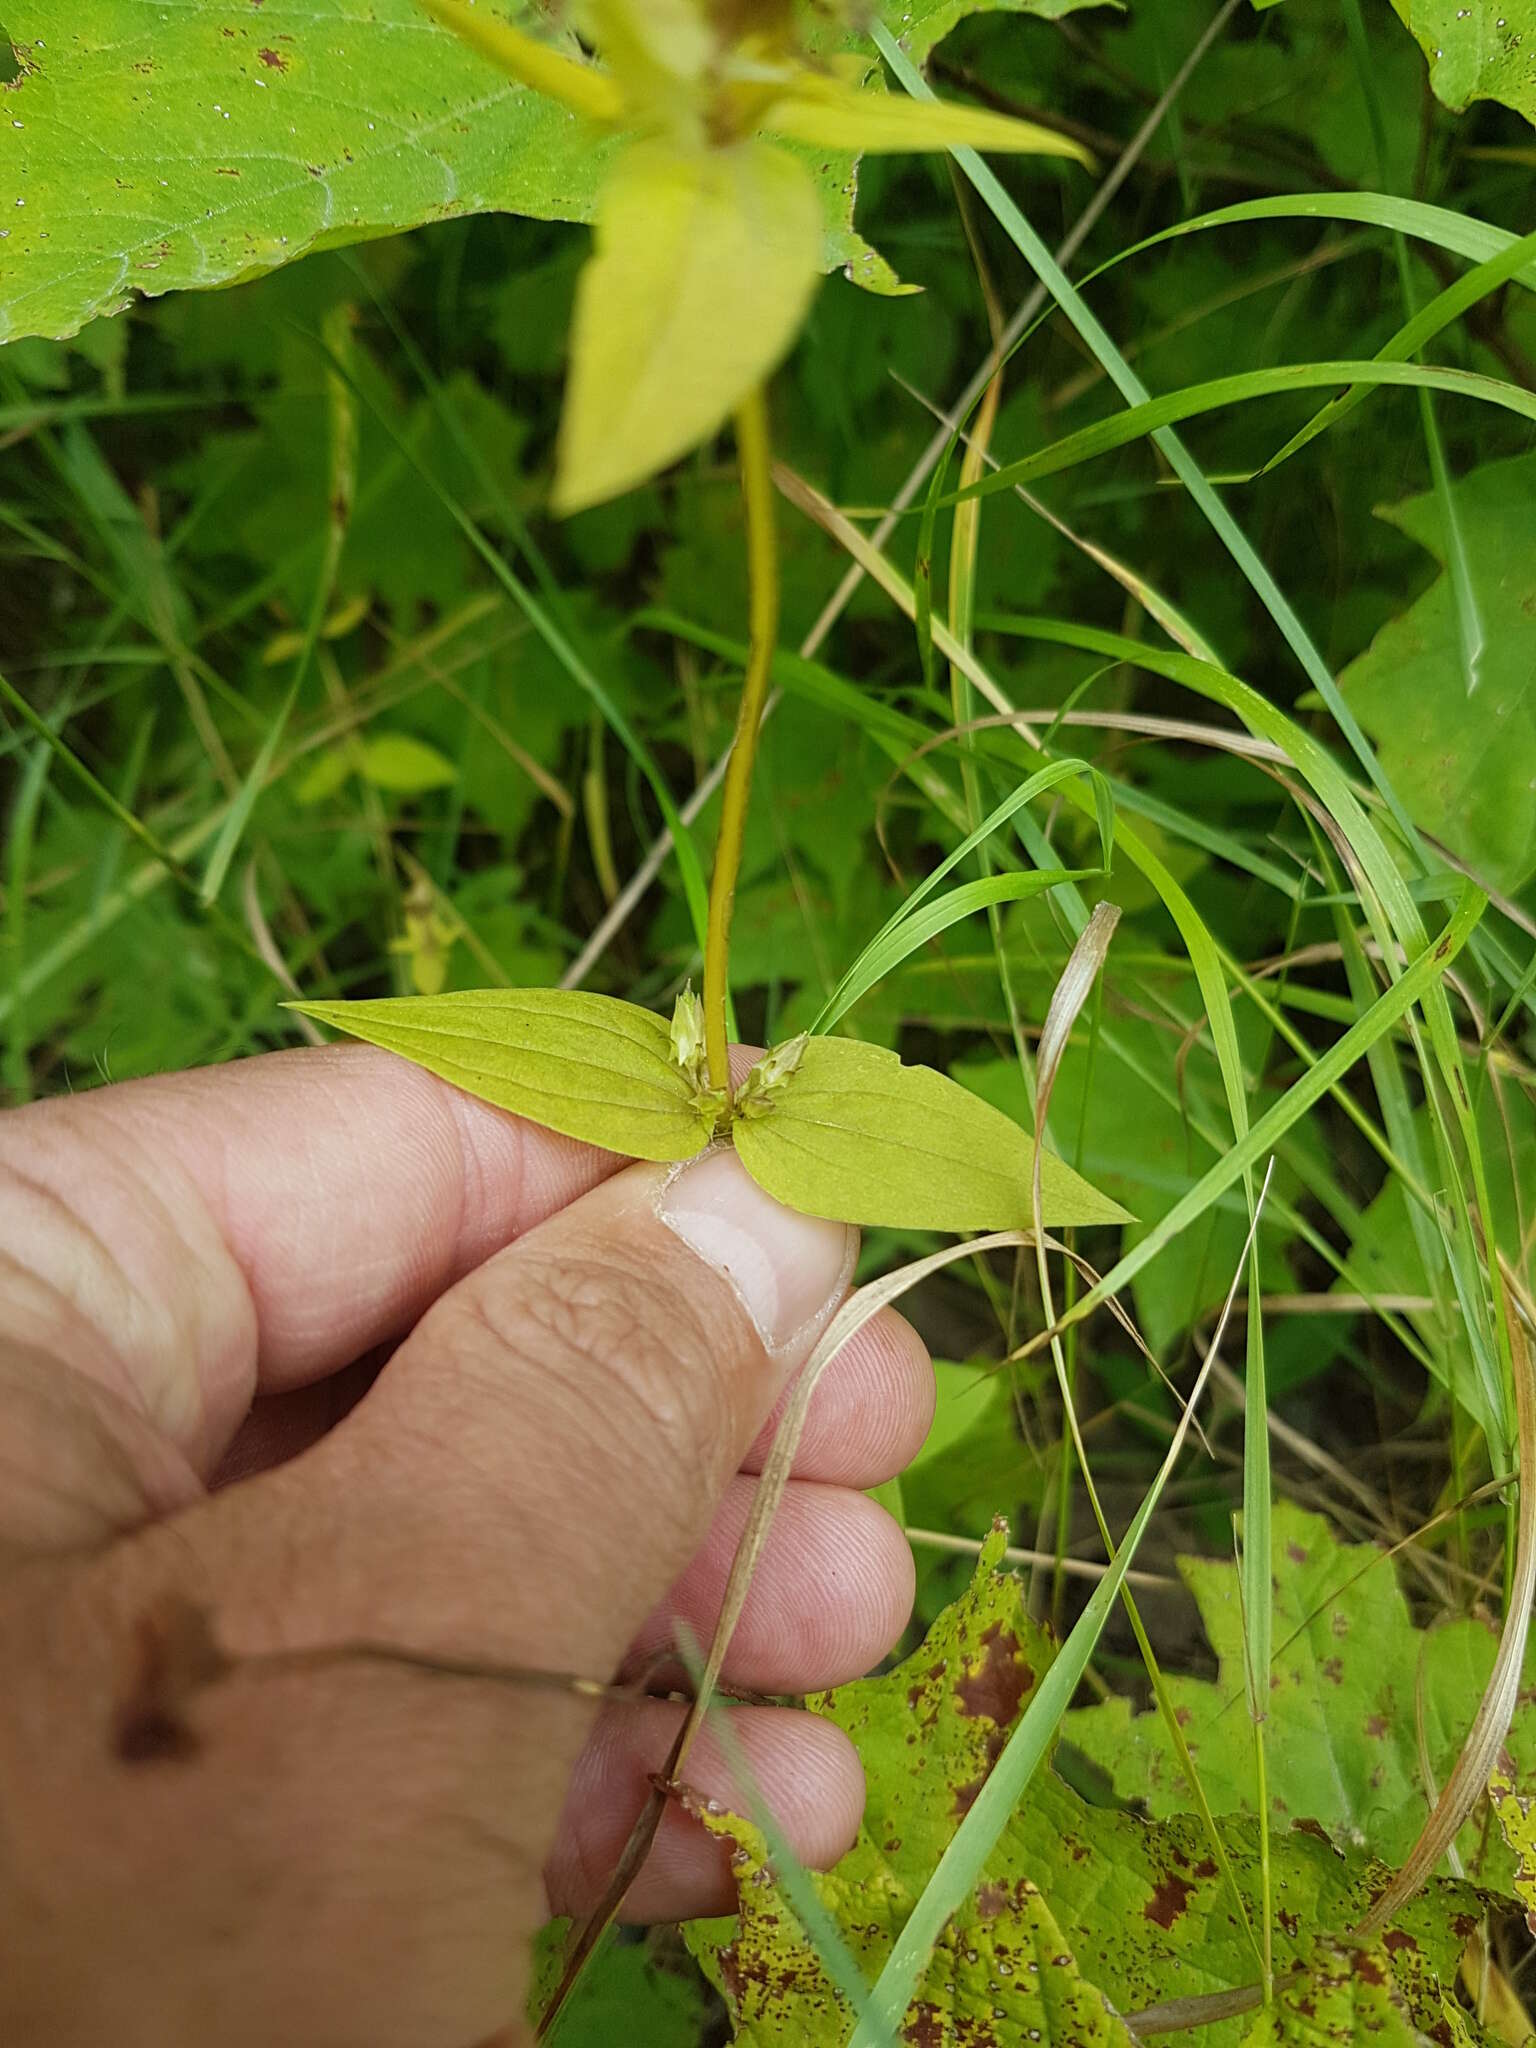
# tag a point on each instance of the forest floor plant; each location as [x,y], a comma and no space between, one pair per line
[1180,1861]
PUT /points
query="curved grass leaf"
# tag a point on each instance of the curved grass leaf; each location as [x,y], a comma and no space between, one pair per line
[589,1066]
[856,1136]
[1139,421]
[1050,777]
[1395,920]
[918,926]
[1258,575]
[1459,234]
[1430,320]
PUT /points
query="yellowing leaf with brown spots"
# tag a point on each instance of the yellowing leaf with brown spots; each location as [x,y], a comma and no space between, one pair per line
[1083,1917]
[1349,1677]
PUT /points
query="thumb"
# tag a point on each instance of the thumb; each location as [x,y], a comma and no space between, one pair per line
[529,1473]
[554,1437]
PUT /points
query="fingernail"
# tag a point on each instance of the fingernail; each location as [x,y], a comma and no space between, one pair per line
[788,1271]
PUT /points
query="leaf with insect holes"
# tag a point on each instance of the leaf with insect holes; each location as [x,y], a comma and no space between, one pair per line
[1083,1915]
[589,1066]
[704,264]
[1349,1992]
[1350,1679]
[854,1135]
[1512,1796]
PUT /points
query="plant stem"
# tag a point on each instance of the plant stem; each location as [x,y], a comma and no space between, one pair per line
[763,585]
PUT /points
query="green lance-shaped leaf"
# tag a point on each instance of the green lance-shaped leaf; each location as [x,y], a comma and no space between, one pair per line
[853,1134]
[704,265]
[403,765]
[589,1066]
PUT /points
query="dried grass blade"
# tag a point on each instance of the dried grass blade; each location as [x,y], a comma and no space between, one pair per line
[960,1866]
[856,1311]
[1480,1751]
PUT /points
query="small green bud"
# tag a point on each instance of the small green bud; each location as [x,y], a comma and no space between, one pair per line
[688,1034]
[712,1106]
[765,1083]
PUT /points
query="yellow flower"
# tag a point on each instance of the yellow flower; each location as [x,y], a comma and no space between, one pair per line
[708,237]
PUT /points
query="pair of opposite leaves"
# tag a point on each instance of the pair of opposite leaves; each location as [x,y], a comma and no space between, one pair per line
[841,1129]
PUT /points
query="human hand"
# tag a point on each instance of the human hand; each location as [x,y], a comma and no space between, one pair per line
[548,1472]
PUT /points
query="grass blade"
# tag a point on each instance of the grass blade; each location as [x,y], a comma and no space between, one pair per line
[886,953]
[1185,467]
[960,1867]
[1150,418]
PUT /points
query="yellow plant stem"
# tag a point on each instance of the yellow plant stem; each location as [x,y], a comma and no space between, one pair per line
[752,446]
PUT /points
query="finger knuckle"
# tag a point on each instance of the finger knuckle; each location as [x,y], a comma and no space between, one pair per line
[641,1363]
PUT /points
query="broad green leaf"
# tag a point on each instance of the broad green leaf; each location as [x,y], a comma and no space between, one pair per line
[857,1136]
[1465,765]
[395,761]
[1350,1666]
[590,1066]
[622,1996]
[1083,1916]
[704,265]
[1350,1993]
[931,1731]
[226,140]
[1477,50]
[1512,1795]
[922,23]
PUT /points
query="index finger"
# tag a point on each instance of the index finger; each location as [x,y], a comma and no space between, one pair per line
[252,1227]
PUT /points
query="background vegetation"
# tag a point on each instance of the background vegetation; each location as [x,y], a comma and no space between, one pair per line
[434,782]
